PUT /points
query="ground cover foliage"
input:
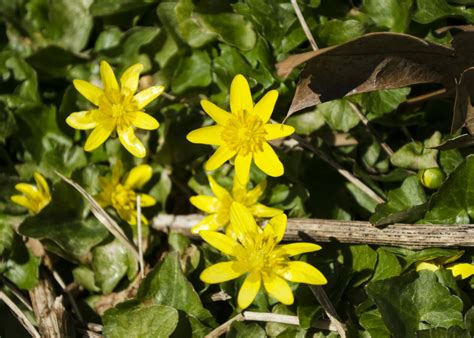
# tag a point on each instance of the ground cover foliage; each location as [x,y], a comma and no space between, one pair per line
[194,49]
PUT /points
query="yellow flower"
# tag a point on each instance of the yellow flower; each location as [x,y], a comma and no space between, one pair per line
[244,133]
[219,206]
[118,109]
[256,252]
[464,270]
[35,197]
[121,195]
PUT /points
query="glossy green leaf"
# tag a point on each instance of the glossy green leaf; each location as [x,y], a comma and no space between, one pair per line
[430,10]
[132,319]
[418,155]
[391,14]
[338,115]
[192,72]
[373,323]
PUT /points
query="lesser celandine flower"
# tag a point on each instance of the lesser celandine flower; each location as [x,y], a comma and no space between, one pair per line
[117,109]
[219,206]
[35,197]
[462,270]
[244,133]
[121,195]
[256,252]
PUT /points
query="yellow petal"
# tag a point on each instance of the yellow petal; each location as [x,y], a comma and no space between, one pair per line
[262,211]
[220,156]
[206,135]
[464,270]
[28,189]
[253,195]
[207,223]
[426,266]
[146,96]
[275,131]
[88,90]
[129,79]
[242,168]
[240,96]
[131,142]
[207,204]
[108,77]
[147,200]
[217,114]
[278,288]
[218,191]
[143,120]
[222,272]
[278,224]
[268,161]
[301,272]
[242,220]
[42,184]
[294,249]
[82,120]
[221,242]
[138,176]
[98,136]
[23,201]
[249,289]
[264,107]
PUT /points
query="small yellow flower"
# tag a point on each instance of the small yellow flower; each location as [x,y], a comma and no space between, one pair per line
[120,194]
[118,109]
[219,206]
[35,197]
[244,133]
[464,270]
[256,253]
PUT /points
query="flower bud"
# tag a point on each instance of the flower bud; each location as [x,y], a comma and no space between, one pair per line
[431,178]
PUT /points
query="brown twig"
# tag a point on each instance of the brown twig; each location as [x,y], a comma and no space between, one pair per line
[25,322]
[304,25]
[326,304]
[347,174]
[411,236]
[370,129]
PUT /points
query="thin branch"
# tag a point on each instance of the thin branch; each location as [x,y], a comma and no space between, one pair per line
[223,328]
[347,174]
[61,283]
[411,236]
[17,293]
[325,302]
[304,25]
[20,315]
[139,235]
[103,216]
[371,129]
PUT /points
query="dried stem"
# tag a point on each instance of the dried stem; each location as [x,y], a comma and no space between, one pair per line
[325,302]
[225,327]
[304,25]
[411,236]
[61,283]
[20,315]
[347,174]
[17,293]
[371,129]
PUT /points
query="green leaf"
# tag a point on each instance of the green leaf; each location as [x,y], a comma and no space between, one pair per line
[452,332]
[62,223]
[306,123]
[391,14]
[85,277]
[417,155]
[6,235]
[387,265]
[110,263]
[335,31]
[135,320]
[410,301]
[450,159]
[363,260]
[244,330]
[338,115]
[428,11]
[454,201]
[192,72]
[469,320]
[22,267]
[111,7]
[410,257]
[167,285]
[381,102]
[403,204]
[373,323]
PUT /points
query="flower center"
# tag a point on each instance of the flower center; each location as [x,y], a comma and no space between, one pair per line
[259,255]
[244,133]
[123,198]
[117,105]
